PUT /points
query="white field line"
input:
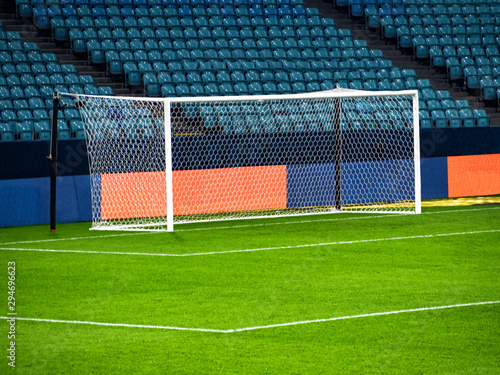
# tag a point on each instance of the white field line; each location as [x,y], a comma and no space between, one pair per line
[255,249]
[115,324]
[200,229]
[239,226]
[255,328]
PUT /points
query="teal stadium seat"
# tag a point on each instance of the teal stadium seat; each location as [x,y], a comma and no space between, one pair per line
[425,119]
[482,119]
[24,131]
[471,78]
[439,119]
[467,117]
[6,133]
[488,89]
[454,118]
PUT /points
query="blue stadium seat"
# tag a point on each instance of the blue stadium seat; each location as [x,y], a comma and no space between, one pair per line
[151,85]
[439,119]
[388,28]
[241,88]
[454,118]
[24,130]
[471,78]
[41,18]
[372,18]
[454,69]
[488,89]
[6,133]
[482,119]
[467,117]
[420,47]
[212,89]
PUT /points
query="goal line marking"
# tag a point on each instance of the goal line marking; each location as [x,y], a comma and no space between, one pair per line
[239,226]
[254,249]
[255,328]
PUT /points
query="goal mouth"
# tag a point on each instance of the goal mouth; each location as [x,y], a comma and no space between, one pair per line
[159,161]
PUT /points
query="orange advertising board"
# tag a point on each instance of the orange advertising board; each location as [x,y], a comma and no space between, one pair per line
[208,191]
[126,195]
[229,189]
[473,175]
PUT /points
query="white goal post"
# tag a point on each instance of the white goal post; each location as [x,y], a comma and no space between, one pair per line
[158,161]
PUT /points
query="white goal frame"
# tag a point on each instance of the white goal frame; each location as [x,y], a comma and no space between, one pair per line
[168,222]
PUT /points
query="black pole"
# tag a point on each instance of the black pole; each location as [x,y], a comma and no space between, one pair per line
[338,153]
[53,161]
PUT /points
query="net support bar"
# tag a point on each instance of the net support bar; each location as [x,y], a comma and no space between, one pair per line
[53,162]
[168,167]
[338,155]
[416,148]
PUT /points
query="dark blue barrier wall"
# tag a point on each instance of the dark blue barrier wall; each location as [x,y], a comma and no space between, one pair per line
[26,201]
[381,181]
[459,141]
[361,182]
[434,178]
[305,184]
[29,159]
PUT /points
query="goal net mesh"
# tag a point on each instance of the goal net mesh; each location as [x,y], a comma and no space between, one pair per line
[248,157]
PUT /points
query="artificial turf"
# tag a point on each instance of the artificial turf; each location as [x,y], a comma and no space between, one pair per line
[260,273]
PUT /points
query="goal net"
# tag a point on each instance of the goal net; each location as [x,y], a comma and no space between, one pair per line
[159,161]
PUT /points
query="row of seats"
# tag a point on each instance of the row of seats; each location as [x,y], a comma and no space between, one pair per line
[43,16]
[289,27]
[26,130]
[204,39]
[161,28]
[284,122]
[201,27]
[484,47]
[149,3]
[454,35]
[185,13]
[435,27]
[454,10]
[133,72]
[29,130]
[277,82]
[249,118]
[284,81]
[288,37]
[450,2]
[453,118]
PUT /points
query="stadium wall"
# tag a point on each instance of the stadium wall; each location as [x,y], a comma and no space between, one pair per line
[453,164]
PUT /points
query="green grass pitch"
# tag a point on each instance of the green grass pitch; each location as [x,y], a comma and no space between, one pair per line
[297,295]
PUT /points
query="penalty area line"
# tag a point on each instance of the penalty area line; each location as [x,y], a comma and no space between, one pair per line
[114,324]
[254,249]
[255,328]
[366,315]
